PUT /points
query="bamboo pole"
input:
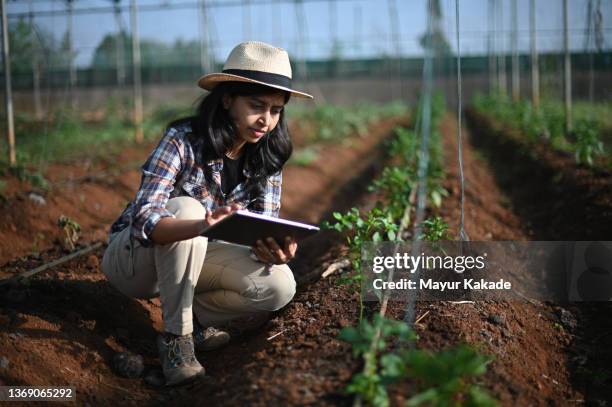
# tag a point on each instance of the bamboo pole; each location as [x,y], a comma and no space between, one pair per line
[535,68]
[8,89]
[136,70]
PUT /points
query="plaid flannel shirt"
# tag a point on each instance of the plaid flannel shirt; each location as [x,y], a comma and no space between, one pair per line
[177,168]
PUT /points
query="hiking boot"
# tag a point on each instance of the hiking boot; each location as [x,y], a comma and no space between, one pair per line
[210,338]
[178,359]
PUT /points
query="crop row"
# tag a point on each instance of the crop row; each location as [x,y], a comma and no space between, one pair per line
[547,123]
[442,378]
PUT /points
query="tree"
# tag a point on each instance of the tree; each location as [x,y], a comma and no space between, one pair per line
[153,53]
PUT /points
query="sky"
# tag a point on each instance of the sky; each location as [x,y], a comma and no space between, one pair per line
[362,27]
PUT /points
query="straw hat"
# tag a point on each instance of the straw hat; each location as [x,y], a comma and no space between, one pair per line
[255,62]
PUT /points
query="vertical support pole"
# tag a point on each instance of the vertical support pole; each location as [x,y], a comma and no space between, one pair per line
[38,113]
[119,46]
[301,26]
[490,48]
[205,59]
[535,68]
[516,81]
[8,89]
[333,34]
[567,70]
[138,136]
[72,75]
[589,49]
[395,42]
[503,82]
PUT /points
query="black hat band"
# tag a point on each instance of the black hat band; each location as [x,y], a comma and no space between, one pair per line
[266,77]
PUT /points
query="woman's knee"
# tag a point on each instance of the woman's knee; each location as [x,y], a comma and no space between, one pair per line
[277,290]
[186,207]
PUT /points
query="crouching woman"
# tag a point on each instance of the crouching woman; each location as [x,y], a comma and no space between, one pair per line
[228,156]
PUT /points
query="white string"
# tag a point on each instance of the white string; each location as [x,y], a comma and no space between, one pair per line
[462,233]
[424,132]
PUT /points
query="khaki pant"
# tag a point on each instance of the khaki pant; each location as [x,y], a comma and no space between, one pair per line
[218,282]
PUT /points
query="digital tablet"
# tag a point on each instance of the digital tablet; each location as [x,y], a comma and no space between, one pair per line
[245,228]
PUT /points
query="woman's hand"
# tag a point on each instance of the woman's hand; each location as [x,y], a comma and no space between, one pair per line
[268,251]
[169,230]
[220,213]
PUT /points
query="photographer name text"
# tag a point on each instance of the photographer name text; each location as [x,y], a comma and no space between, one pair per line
[430,284]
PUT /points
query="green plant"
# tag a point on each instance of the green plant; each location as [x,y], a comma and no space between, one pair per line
[395,184]
[443,377]
[435,229]
[24,174]
[377,225]
[305,156]
[588,144]
[379,370]
[72,231]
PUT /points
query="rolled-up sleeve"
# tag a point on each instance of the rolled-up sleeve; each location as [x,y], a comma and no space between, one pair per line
[159,173]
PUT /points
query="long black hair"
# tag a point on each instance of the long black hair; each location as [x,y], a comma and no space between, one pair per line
[214,126]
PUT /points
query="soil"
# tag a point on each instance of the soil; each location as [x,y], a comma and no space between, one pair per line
[66,324]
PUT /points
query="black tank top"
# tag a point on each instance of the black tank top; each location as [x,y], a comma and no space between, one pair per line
[232,174]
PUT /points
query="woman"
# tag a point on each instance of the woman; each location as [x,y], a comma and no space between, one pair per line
[228,157]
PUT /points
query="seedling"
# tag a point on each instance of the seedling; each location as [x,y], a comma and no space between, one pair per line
[72,232]
[435,229]
[376,226]
[380,370]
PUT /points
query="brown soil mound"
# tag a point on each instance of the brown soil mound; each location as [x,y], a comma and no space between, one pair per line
[65,325]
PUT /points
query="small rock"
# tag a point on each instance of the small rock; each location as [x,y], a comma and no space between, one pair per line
[567,319]
[37,199]
[155,378]
[128,365]
[4,362]
[497,319]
